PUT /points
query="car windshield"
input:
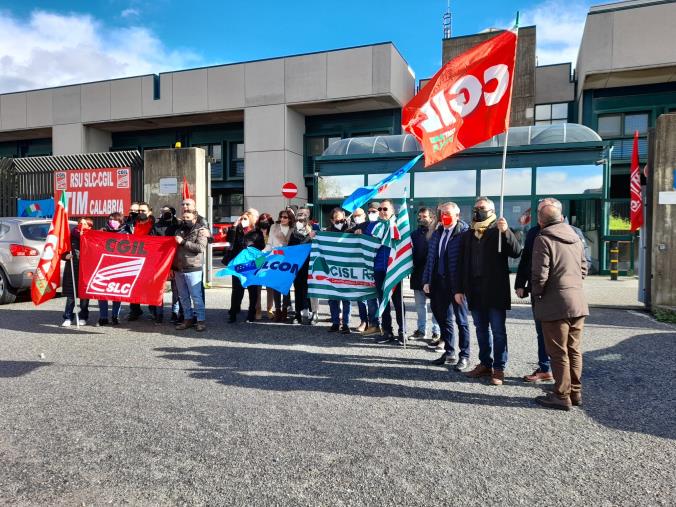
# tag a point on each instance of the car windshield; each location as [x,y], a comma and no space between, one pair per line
[35,232]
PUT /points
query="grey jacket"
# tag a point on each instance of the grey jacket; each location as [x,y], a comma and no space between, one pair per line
[559,266]
[190,254]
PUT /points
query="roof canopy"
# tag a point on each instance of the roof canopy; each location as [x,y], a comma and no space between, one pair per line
[518,136]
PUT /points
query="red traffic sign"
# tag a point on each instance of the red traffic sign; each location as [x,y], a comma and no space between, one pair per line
[289,190]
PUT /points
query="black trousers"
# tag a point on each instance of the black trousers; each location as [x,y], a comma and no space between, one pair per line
[237,295]
[300,288]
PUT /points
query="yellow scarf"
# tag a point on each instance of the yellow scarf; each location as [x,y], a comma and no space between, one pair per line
[480,227]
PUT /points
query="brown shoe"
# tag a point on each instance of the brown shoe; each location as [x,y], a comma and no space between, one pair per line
[372,331]
[552,401]
[361,327]
[200,326]
[185,324]
[539,376]
[576,399]
[479,371]
[498,378]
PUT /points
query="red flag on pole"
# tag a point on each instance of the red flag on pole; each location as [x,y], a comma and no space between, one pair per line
[466,102]
[47,276]
[635,189]
[186,189]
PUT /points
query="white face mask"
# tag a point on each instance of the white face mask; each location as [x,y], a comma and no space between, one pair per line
[245,223]
[373,217]
[338,226]
[300,226]
[359,220]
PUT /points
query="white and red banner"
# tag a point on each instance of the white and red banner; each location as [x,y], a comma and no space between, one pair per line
[466,102]
[124,267]
[95,192]
[636,206]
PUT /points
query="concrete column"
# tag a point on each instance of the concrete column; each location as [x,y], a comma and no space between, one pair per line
[97,140]
[664,213]
[68,139]
[273,155]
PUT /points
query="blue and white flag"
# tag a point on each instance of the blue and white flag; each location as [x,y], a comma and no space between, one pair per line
[276,269]
[364,194]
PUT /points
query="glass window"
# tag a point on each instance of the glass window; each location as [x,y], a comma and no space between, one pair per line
[236,160]
[333,140]
[543,112]
[315,146]
[570,179]
[445,184]
[560,111]
[35,232]
[634,122]
[338,187]
[517,181]
[396,189]
[609,125]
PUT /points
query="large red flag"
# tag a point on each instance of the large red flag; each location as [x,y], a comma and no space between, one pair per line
[47,277]
[124,267]
[635,189]
[466,102]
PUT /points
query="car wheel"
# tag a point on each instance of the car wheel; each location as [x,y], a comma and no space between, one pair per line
[7,294]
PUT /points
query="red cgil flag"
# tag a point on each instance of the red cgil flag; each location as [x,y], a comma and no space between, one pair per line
[47,276]
[186,189]
[635,189]
[466,102]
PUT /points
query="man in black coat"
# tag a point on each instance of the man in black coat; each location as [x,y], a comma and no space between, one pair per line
[483,280]
[420,240]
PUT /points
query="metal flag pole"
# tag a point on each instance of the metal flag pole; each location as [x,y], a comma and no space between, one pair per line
[75,298]
[401,284]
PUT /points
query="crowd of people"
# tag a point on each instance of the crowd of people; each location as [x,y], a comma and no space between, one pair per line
[459,269]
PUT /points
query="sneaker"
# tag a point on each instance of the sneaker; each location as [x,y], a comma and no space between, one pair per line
[66,323]
[102,322]
[435,337]
[479,371]
[200,326]
[345,329]
[418,334]
[386,338]
[497,378]
[538,376]
[334,328]
[552,401]
[435,343]
[372,331]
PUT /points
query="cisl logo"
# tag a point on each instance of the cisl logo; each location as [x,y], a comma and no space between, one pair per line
[115,275]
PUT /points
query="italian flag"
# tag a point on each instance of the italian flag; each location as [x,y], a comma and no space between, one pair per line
[47,276]
[397,235]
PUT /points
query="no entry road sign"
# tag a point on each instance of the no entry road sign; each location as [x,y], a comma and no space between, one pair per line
[289,190]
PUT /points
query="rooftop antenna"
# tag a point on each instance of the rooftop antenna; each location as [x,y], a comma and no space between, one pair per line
[447,21]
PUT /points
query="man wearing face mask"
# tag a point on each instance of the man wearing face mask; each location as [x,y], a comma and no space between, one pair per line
[440,281]
[483,281]
[339,224]
[133,213]
[420,239]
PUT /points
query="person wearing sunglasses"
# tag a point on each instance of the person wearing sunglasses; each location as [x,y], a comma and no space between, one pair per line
[279,236]
[386,215]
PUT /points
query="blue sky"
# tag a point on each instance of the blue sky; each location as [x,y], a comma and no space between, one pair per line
[47,43]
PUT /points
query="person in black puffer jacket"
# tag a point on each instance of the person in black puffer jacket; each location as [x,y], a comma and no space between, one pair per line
[240,237]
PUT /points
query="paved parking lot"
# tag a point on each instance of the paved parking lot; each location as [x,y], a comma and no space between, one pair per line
[273,414]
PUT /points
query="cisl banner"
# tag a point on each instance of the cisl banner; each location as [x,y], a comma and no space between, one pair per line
[95,192]
[466,102]
[123,267]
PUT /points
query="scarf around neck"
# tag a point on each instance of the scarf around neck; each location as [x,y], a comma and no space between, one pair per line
[480,227]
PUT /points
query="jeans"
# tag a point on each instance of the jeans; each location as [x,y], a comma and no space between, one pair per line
[372,310]
[103,309]
[68,313]
[493,341]
[189,287]
[363,311]
[396,301]
[421,310]
[543,359]
[447,310]
[334,307]
[175,302]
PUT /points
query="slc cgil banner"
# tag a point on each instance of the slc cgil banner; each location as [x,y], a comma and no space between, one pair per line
[95,192]
[123,267]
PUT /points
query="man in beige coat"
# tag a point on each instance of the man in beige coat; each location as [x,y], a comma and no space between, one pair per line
[559,266]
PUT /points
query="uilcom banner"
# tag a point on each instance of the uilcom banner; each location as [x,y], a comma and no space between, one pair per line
[95,192]
[123,267]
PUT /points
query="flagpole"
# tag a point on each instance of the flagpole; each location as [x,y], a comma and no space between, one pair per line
[401,284]
[504,148]
[72,274]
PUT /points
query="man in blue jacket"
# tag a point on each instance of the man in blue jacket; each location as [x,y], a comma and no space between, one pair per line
[440,281]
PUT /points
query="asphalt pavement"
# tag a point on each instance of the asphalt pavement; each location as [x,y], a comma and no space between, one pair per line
[276,414]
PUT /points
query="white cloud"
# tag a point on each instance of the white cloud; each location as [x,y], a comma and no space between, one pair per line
[130,13]
[559,29]
[51,49]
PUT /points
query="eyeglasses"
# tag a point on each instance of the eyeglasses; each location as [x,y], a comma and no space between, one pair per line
[284,216]
[383,209]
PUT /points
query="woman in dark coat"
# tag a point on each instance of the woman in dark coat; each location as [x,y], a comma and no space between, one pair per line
[115,223]
[68,290]
[240,237]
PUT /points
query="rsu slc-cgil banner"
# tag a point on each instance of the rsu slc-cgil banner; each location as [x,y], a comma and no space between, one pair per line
[95,192]
[123,267]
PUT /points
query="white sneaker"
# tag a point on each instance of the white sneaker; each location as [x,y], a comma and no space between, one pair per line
[83,322]
[66,323]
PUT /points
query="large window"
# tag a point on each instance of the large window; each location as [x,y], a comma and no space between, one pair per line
[339,187]
[236,160]
[315,146]
[445,184]
[620,128]
[517,181]
[551,114]
[214,154]
[396,189]
[569,179]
